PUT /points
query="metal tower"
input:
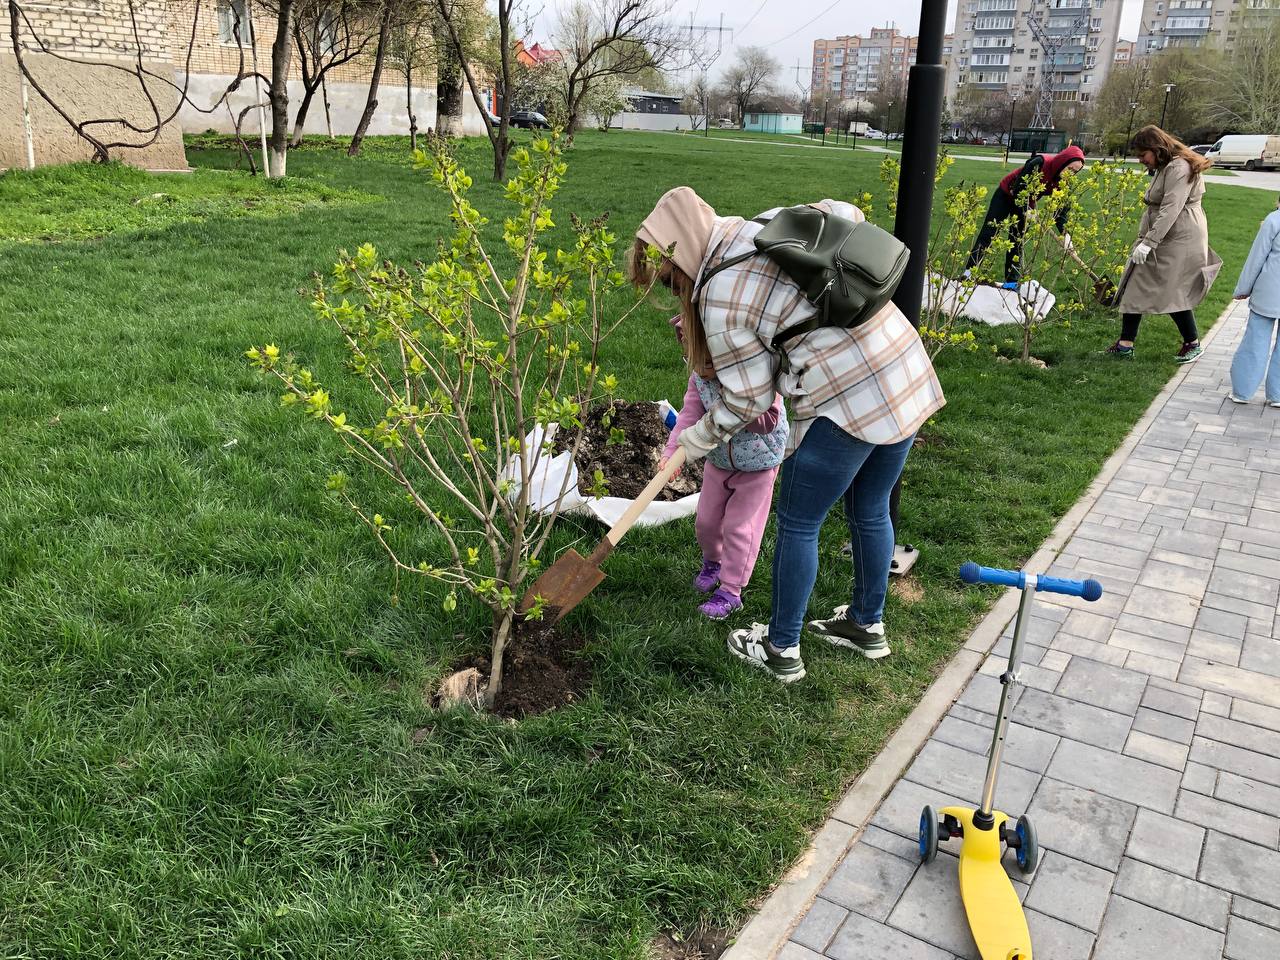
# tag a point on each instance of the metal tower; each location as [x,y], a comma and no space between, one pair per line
[1051,43]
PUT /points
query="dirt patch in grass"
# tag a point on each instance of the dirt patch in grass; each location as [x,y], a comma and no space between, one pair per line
[629,459]
[908,589]
[700,945]
[543,669]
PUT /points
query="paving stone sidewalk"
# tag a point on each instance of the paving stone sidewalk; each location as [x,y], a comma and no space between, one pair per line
[1145,743]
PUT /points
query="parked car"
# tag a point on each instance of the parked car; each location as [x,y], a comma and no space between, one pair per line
[874,134]
[724,123]
[1253,151]
[1202,148]
[491,118]
[529,120]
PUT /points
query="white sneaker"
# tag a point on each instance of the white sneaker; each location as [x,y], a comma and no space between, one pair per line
[1234,399]
[752,645]
[1273,403]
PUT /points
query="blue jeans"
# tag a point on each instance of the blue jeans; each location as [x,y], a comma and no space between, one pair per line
[1256,358]
[830,464]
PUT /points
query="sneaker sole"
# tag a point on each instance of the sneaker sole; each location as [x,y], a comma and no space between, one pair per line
[1234,399]
[780,677]
[871,653]
[719,619]
[1181,362]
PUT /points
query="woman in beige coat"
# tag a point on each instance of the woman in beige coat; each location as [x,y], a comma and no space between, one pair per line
[1172,267]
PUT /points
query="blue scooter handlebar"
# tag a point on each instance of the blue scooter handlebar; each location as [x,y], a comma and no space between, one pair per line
[1087,589]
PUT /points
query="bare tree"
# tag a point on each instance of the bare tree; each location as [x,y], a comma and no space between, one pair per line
[385,19]
[697,102]
[1248,95]
[414,50]
[163,97]
[327,34]
[752,74]
[611,38]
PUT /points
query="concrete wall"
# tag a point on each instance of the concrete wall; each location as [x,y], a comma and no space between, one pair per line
[346,103]
[650,121]
[87,92]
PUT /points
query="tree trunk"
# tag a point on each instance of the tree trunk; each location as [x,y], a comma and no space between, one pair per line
[371,104]
[449,97]
[503,630]
[408,99]
[328,115]
[301,118]
[281,54]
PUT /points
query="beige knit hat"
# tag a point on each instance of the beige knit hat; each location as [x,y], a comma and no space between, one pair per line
[685,219]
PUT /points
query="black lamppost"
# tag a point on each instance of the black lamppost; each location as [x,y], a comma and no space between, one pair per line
[925,94]
[888,122]
[1168,89]
[857,119]
[1013,103]
[1133,108]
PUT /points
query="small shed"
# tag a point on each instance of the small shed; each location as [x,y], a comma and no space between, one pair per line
[773,122]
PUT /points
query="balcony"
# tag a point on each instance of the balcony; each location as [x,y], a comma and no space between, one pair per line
[1197,31]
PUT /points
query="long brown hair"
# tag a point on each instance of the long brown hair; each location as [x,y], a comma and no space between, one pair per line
[1167,147]
[643,274]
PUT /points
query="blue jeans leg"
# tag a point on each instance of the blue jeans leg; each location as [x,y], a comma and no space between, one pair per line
[866,508]
[817,474]
[1255,359]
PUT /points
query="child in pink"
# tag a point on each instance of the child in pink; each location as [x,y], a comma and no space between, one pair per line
[737,491]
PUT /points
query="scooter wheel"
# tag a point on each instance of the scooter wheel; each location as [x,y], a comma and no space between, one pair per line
[928,834]
[1028,852]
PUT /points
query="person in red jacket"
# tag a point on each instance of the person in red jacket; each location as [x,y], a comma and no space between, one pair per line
[1053,168]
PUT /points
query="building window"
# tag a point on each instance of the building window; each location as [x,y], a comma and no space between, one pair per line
[234,28]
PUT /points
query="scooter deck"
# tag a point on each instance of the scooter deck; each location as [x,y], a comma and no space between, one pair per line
[995,913]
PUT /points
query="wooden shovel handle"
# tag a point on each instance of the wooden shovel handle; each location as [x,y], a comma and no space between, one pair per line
[1076,257]
[632,513]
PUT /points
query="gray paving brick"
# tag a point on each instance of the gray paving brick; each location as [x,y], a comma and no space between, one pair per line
[794,951]
[1169,576]
[1154,667]
[1246,534]
[1135,931]
[1247,940]
[1081,824]
[869,880]
[1245,586]
[1255,713]
[1158,629]
[1203,564]
[1149,646]
[1196,544]
[1163,605]
[1112,554]
[1234,682]
[1257,912]
[1248,563]
[1165,496]
[900,811]
[1246,763]
[1055,660]
[960,773]
[932,910]
[1216,704]
[1103,685]
[1090,626]
[1071,890]
[1166,701]
[1241,867]
[969,715]
[1024,746]
[1215,648]
[861,938]
[1165,753]
[1243,792]
[905,848]
[819,925]
[1247,608]
[1124,778]
[1228,818]
[1261,655]
[1178,895]
[1164,725]
[1221,622]
[1166,842]
[1073,719]
[1081,647]
[1236,733]
[1199,778]
[983,693]
[1057,940]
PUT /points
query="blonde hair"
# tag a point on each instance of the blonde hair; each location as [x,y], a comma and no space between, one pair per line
[643,275]
[1167,147]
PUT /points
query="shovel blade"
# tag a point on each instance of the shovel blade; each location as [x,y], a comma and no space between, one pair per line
[564,585]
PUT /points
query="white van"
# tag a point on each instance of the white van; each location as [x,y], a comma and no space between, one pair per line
[1251,151]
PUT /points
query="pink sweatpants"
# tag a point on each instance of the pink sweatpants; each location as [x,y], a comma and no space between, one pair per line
[732,511]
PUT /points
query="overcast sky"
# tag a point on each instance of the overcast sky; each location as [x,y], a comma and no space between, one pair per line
[789,27]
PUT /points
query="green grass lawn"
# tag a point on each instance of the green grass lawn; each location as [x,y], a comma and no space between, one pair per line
[215,738]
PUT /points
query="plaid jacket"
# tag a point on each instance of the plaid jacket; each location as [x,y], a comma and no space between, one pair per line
[875,381]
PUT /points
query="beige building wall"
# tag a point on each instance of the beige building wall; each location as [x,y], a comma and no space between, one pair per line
[103,39]
[1196,23]
[995,49]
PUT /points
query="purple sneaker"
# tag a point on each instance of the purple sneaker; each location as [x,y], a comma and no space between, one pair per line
[707,577]
[721,604]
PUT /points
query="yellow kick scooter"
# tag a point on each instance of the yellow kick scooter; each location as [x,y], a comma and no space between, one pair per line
[990,902]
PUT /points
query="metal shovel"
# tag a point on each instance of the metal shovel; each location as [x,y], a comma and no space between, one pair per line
[565,583]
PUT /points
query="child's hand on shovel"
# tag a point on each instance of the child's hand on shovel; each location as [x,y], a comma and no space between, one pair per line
[662,465]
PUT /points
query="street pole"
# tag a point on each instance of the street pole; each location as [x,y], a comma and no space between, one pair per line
[1128,134]
[1009,142]
[925,94]
[888,123]
[1168,89]
[857,119]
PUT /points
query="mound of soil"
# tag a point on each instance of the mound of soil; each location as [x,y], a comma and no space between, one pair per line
[542,669]
[629,466]
[700,945]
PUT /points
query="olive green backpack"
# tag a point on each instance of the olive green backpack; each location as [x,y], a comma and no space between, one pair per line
[847,270]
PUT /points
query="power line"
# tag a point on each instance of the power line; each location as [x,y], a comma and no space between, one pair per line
[804,26]
[752,19]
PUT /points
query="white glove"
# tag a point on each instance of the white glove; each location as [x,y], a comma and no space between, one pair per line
[1066,241]
[1140,253]
[697,441]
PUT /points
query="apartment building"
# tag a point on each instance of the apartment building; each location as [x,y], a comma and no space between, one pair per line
[995,48]
[1194,23]
[1125,50]
[855,66]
